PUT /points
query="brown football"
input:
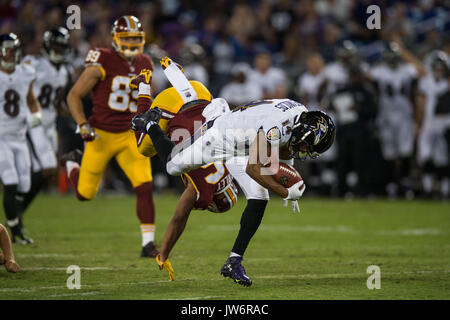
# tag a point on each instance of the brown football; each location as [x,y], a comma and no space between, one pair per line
[287,176]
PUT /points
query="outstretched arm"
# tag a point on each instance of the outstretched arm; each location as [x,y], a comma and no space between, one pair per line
[178,222]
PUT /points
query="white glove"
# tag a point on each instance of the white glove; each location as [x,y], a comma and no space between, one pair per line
[296,191]
[294,205]
[35,119]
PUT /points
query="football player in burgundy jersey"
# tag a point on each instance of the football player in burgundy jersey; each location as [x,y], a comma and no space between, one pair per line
[107,131]
[210,187]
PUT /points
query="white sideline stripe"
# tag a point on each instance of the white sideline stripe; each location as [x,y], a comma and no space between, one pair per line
[91,293]
[45,255]
[65,268]
[292,276]
[329,229]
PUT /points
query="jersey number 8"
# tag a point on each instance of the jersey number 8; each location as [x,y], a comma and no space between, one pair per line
[120,98]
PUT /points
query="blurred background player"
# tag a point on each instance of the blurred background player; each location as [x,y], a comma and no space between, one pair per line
[52,80]
[271,79]
[6,251]
[396,80]
[107,132]
[210,187]
[432,147]
[20,109]
[240,90]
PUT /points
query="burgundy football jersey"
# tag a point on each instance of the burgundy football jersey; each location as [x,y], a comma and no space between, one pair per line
[210,178]
[114,103]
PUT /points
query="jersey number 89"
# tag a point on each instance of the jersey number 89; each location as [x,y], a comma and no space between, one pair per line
[120,98]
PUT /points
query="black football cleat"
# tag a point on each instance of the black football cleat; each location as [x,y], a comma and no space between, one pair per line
[17,236]
[74,155]
[149,251]
[233,269]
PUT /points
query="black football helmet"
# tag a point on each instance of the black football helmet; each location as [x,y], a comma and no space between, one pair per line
[392,55]
[10,50]
[440,64]
[313,134]
[55,45]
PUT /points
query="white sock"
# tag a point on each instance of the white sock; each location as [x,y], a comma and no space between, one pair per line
[233,254]
[70,165]
[148,233]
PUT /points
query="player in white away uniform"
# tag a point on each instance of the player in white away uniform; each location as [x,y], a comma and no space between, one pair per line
[277,130]
[396,81]
[432,153]
[251,130]
[52,77]
[18,108]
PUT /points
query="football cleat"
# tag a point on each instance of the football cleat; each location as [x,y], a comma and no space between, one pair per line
[233,269]
[149,251]
[17,236]
[74,155]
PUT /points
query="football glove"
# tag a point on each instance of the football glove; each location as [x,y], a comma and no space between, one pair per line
[296,191]
[142,122]
[144,77]
[166,266]
[35,119]
[87,132]
[294,205]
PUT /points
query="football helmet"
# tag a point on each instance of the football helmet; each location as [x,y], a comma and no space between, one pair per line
[440,64]
[10,51]
[225,198]
[55,45]
[123,29]
[392,55]
[313,133]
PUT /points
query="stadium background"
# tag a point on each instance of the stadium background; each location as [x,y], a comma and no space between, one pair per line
[322,253]
[219,42]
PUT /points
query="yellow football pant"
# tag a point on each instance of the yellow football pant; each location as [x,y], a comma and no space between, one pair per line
[97,154]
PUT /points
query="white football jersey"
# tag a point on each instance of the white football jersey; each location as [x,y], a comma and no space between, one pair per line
[14,110]
[240,93]
[273,78]
[394,87]
[275,117]
[49,80]
[432,89]
[309,85]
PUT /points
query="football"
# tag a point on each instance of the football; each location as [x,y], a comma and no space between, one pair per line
[286,175]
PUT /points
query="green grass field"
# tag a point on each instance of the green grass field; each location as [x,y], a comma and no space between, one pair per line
[322,253]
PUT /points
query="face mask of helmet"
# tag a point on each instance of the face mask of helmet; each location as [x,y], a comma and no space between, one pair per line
[56,45]
[10,56]
[313,135]
[301,144]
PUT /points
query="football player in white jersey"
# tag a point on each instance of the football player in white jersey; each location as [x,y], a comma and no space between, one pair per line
[52,78]
[282,112]
[19,109]
[257,130]
[396,81]
[432,153]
